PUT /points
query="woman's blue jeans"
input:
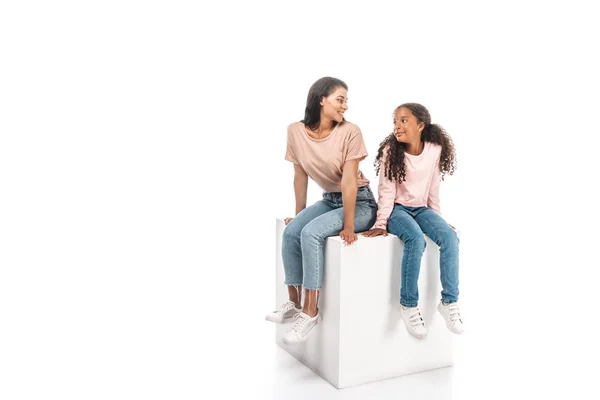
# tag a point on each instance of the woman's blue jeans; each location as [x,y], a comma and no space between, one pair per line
[304,236]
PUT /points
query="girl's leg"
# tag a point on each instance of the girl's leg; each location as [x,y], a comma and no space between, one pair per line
[403,225]
[438,230]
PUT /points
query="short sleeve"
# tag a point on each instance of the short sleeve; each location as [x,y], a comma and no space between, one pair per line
[290,155]
[356,146]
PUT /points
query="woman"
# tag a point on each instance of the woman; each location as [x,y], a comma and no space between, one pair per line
[326,148]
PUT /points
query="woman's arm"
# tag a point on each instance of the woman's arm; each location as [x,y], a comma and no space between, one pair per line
[385,204]
[349,190]
[300,187]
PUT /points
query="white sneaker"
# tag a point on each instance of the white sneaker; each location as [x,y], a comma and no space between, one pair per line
[413,320]
[286,313]
[303,326]
[451,314]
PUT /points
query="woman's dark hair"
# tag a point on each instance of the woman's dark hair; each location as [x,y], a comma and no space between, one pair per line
[321,88]
[394,168]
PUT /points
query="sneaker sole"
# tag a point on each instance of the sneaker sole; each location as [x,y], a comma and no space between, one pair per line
[302,340]
[447,326]
[415,335]
[284,321]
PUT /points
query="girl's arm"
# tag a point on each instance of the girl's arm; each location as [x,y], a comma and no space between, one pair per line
[433,200]
[387,194]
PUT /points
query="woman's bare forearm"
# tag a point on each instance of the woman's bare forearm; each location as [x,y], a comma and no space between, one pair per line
[300,191]
[349,190]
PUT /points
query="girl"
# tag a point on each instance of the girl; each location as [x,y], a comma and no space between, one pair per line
[328,149]
[414,158]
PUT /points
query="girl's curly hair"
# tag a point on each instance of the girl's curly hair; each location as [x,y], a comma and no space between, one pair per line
[394,168]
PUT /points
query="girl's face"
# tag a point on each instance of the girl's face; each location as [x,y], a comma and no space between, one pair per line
[406,127]
[335,105]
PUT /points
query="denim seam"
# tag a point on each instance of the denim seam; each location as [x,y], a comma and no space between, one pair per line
[442,251]
[406,275]
[297,239]
[318,236]
[284,264]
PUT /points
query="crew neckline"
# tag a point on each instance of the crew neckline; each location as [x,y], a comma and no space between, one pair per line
[425,144]
[322,139]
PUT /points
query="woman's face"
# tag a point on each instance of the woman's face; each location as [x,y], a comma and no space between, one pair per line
[406,127]
[335,105]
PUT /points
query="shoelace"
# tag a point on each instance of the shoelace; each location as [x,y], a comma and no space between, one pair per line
[454,312]
[300,320]
[416,318]
[285,307]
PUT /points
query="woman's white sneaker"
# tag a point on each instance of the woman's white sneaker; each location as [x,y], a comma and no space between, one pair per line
[285,313]
[451,315]
[303,327]
[413,320]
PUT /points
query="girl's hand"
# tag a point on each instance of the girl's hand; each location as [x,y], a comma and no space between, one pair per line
[287,220]
[375,232]
[348,236]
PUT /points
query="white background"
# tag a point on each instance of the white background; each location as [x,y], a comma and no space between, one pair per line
[141,172]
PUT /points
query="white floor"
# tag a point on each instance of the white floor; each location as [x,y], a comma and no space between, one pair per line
[491,361]
[287,378]
[293,380]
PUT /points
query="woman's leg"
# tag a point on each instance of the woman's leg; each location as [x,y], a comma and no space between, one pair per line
[291,249]
[403,225]
[292,261]
[313,239]
[438,230]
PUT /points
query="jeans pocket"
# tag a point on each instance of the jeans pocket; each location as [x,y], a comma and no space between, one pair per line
[364,195]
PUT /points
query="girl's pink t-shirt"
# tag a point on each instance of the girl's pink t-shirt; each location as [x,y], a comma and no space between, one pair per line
[421,187]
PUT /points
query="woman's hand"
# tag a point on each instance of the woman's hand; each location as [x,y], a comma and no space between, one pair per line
[348,236]
[287,220]
[375,232]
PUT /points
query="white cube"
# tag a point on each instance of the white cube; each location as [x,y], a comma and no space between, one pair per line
[362,337]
